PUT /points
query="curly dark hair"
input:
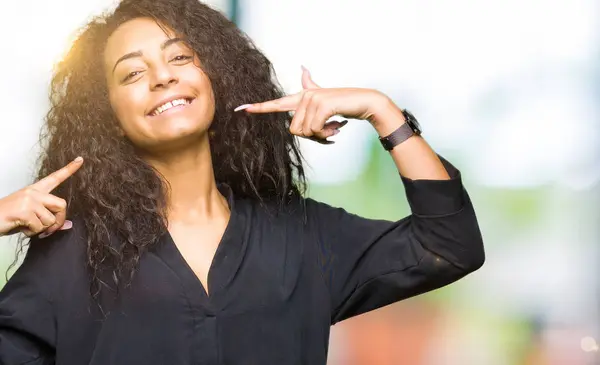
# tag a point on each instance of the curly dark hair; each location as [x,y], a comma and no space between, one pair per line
[118,193]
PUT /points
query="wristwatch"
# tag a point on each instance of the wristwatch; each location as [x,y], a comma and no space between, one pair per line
[404,132]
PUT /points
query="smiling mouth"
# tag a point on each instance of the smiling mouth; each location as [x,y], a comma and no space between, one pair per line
[173,104]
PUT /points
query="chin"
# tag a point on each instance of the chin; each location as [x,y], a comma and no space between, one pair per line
[176,126]
[176,138]
[170,132]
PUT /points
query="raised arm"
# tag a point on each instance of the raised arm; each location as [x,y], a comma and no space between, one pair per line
[371,263]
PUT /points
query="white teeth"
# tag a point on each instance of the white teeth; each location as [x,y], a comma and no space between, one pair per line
[168,105]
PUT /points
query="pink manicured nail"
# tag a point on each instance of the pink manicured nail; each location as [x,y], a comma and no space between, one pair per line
[67,225]
[242,107]
[44,235]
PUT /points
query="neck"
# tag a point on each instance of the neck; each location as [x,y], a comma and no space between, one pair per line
[193,194]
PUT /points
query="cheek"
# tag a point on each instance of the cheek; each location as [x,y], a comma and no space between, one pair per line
[201,83]
[209,97]
[128,106]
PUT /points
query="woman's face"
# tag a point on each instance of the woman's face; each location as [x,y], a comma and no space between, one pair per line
[160,96]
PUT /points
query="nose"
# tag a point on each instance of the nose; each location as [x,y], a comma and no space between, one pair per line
[163,77]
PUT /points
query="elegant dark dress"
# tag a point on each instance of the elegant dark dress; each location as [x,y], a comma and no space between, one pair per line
[277,284]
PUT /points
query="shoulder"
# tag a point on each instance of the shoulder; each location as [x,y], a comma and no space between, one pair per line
[49,265]
[54,260]
[60,247]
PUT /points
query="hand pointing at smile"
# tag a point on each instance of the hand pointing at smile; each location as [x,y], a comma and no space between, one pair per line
[314,105]
[33,210]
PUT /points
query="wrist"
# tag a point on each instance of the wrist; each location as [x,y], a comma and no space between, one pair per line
[387,117]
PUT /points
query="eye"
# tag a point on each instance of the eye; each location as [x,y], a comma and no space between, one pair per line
[181,58]
[131,75]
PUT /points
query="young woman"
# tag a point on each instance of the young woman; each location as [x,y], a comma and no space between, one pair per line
[191,240]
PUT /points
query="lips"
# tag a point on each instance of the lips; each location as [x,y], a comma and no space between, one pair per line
[170,103]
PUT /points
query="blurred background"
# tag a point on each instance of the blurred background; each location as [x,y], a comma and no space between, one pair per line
[508,90]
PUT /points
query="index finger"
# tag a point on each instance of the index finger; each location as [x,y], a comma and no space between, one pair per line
[284,104]
[56,178]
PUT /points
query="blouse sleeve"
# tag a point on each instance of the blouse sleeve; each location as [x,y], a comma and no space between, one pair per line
[368,263]
[27,323]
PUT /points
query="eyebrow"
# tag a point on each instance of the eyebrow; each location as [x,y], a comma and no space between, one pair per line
[164,45]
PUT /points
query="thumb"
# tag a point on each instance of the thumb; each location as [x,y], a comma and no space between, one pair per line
[307,82]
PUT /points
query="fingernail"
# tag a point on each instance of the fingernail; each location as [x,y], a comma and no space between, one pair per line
[44,235]
[242,107]
[67,225]
[79,159]
[335,131]
[343,123]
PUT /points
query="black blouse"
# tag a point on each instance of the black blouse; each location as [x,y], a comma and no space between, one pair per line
[277,284]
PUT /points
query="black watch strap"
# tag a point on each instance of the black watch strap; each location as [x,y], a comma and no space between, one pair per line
[398,136]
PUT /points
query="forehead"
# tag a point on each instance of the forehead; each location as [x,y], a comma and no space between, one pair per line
[135,35]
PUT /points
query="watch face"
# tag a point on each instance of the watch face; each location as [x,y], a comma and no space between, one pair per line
[412,122]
